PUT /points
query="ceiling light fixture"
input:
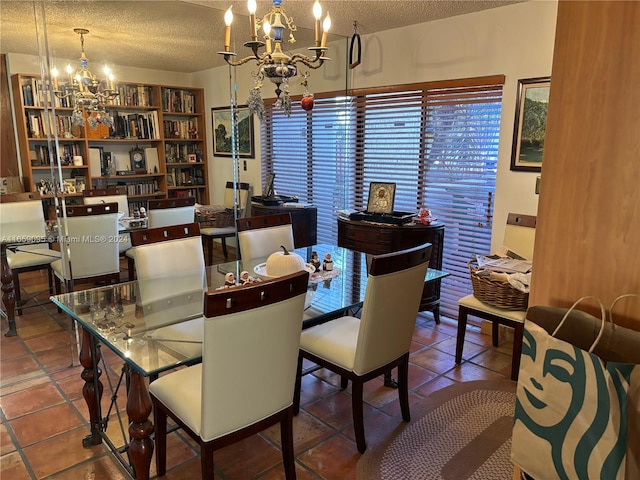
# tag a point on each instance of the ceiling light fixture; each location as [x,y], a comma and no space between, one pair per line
[275,63]
[85,91]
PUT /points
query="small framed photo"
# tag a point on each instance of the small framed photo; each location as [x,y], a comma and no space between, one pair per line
[222,129]
[530,124]
[81,184]
[170,181]
[192,158]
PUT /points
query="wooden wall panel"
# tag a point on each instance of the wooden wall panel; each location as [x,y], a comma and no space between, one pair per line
[8,153]
[588,231]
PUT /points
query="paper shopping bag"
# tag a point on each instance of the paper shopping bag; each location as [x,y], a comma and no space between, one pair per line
[570,419]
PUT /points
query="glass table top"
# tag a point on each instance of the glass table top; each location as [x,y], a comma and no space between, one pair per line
[147,322]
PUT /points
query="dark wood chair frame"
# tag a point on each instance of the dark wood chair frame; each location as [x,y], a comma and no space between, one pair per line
[380,265]
[225,302]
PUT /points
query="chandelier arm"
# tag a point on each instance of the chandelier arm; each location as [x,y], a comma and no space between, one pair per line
[239,62]
[314,63]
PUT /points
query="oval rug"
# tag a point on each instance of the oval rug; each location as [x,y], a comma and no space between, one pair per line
[460,432]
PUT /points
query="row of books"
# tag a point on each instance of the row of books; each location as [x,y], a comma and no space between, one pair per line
[147,187]
[133,96]
[183,129]
[175,153]
[135,125]
[41,124]
[178,100]
[39,155]
[192,192]
[185,176]
[35,93]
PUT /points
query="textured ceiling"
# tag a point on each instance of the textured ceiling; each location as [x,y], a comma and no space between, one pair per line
[185,36]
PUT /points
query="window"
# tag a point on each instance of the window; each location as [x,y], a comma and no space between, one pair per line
[438,142]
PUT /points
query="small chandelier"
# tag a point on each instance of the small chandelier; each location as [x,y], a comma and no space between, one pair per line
[276,64]
[85,92]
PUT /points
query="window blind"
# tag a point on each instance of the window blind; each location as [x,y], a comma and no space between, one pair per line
[438,142]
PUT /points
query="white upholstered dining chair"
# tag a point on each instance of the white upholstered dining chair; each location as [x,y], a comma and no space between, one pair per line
[171,270]
[164,213]
[263,235]
[22,219]
[360,349]
[251,340]
[209,234]
[519,237]
[108,195]
[91,254]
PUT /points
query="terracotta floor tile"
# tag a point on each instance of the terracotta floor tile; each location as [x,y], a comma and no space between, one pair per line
[13,349]
[49,341]
[30,401]
[60,452]
[308,431]
[434,385]
[335,410]
[494,360]
[434,360]
[334,459]
[247,458]
[467,371]
[104,467]
[6,444]
[44,424]
[17,367]
[12,467]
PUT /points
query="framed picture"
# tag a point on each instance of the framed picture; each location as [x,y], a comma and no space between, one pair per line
[221,118]
[381,197]
[192,158]
[530,124]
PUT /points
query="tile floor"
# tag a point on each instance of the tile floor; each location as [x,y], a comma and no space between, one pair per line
[44,417]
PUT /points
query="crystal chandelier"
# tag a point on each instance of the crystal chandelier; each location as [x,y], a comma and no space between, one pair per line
[275,63]
[85,92]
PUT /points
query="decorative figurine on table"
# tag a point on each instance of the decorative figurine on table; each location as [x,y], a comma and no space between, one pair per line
[229,280]
[315,260]
[245,278]
[424,215]
[327,263]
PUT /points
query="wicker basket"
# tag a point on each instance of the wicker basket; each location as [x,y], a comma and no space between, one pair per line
[495,292]
[215,217]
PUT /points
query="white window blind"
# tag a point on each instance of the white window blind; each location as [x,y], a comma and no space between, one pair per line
[437,142]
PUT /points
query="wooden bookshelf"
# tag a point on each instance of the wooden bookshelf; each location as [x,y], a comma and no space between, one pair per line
[156,147]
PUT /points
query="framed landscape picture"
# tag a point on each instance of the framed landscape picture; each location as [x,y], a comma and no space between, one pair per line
[530,124]
[221,118]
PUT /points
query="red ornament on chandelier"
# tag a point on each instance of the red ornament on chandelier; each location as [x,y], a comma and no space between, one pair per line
[307,102]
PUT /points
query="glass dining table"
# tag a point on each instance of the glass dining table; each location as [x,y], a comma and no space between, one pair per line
[148,331]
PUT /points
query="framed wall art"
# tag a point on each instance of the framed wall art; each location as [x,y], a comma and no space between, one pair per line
[530,124]
[221,118]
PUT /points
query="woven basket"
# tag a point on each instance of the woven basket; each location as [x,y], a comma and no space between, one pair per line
[495,292]
[215,217]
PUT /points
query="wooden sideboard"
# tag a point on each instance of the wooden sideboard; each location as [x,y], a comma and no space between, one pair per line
[304,221]
[376,239]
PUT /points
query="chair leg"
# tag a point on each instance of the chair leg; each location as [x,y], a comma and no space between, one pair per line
[344,382]
[462,328]
[358,413]
[50,275]
[403,388]
[495,330]
[224,247]
[17,292]
[286,439]
[298,387]
[518,332]
[206,461]
[160,421]
[131,268]
[208,241]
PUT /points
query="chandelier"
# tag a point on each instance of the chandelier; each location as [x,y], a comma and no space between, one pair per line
[275,63]
[85,92]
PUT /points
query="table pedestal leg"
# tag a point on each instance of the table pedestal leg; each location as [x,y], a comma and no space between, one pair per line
[8,292]
[92,390]
[140,428]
